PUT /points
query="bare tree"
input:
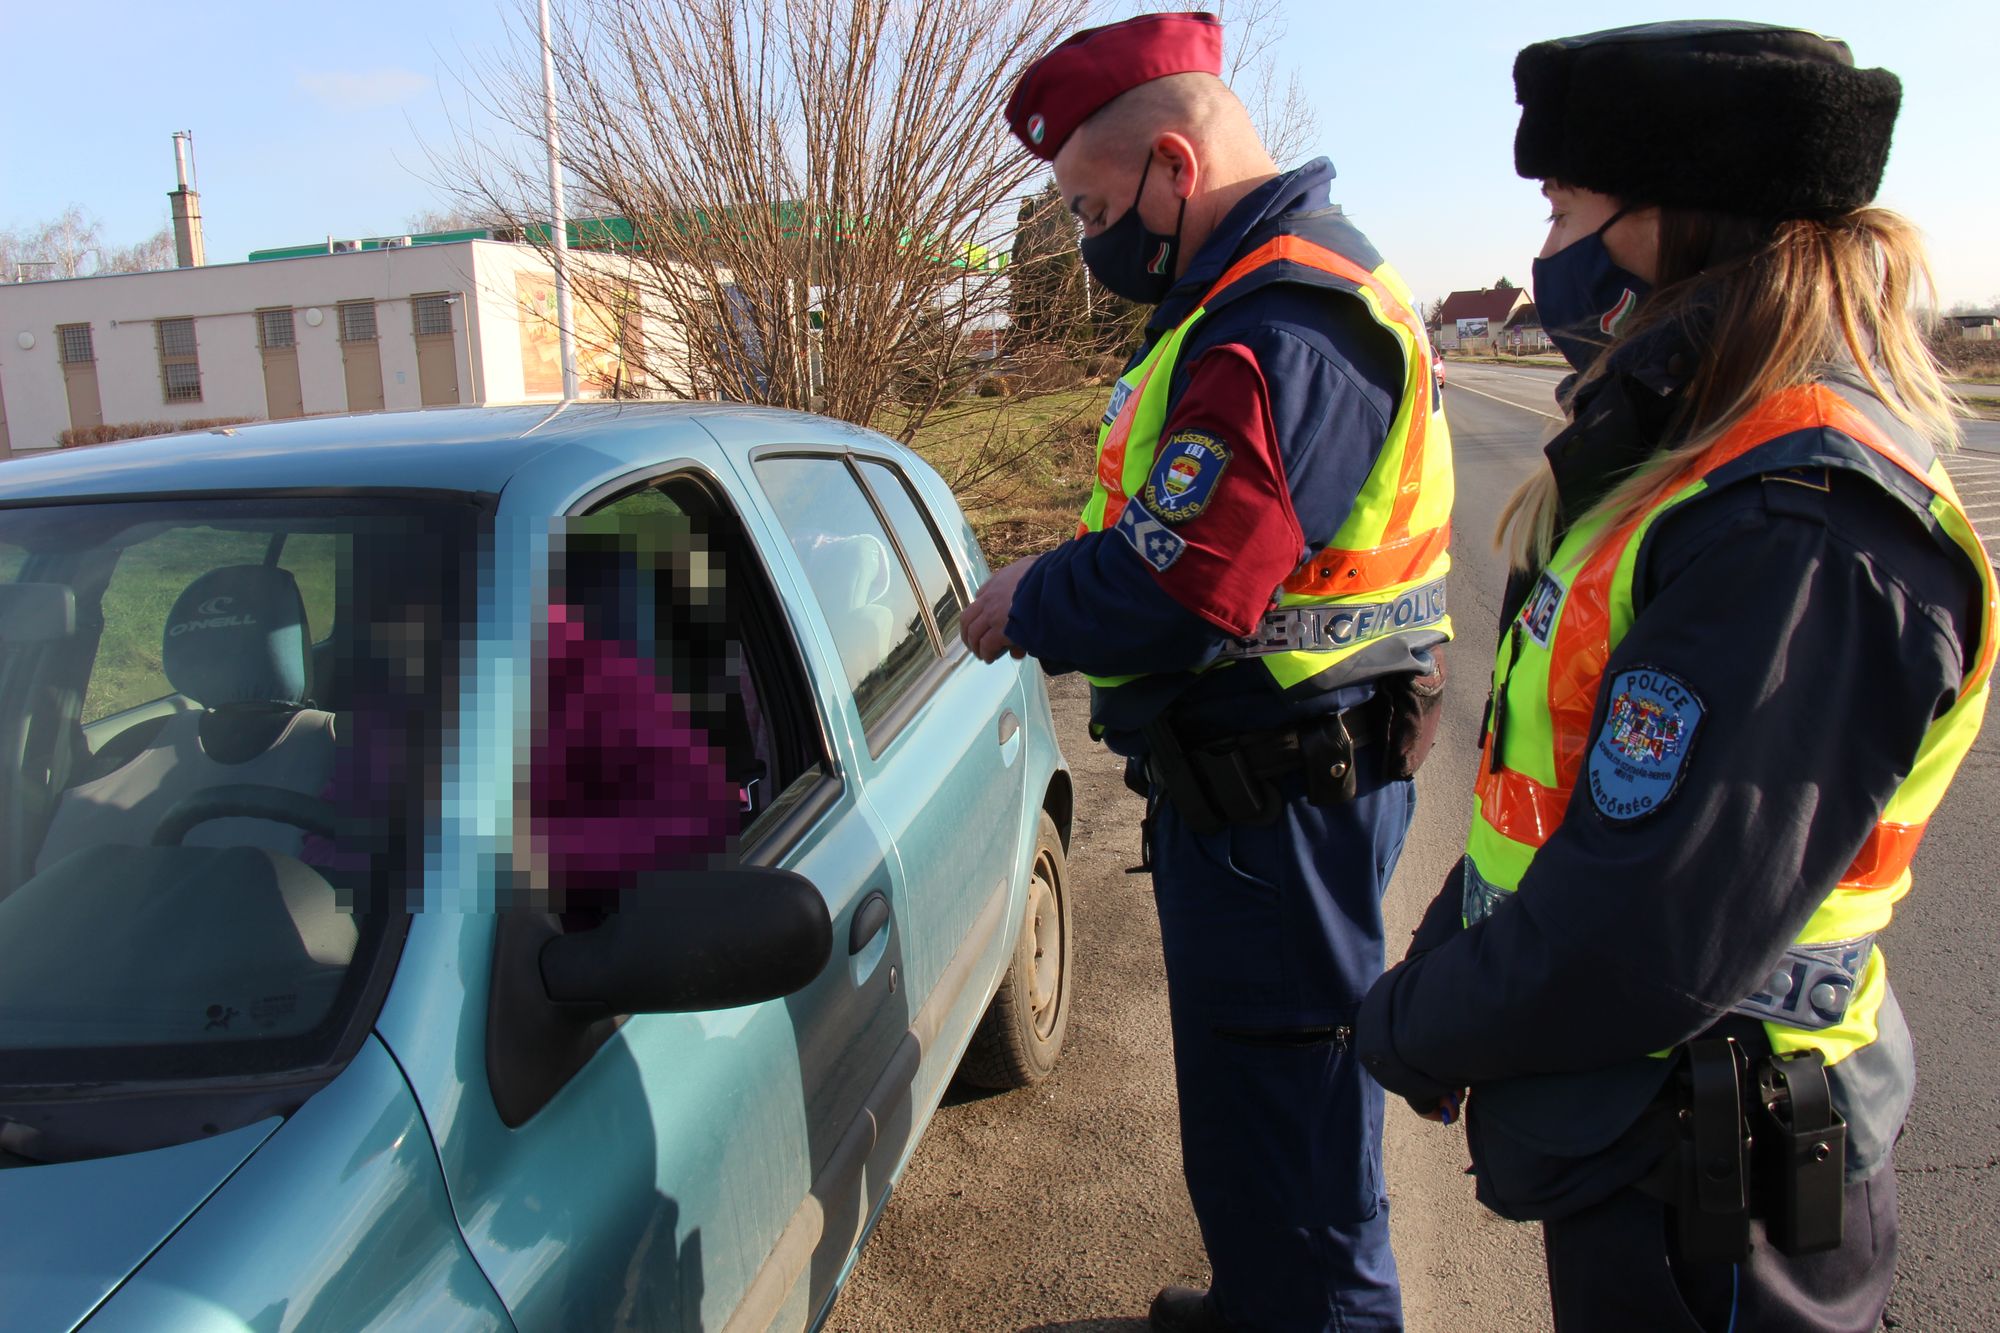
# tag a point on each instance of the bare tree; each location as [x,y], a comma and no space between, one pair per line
[815,195]
[154,253]
[454,218]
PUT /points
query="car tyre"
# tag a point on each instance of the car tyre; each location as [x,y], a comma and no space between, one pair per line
[1019,1039]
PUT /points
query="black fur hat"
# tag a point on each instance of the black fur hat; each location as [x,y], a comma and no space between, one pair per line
[1736,117]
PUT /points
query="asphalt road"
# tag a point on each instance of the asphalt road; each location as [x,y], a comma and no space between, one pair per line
[1060,1209]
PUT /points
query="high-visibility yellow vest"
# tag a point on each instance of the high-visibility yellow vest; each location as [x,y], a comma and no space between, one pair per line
[1377,590]
[1826,992]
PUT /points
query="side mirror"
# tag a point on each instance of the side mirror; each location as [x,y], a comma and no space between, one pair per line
[696,940]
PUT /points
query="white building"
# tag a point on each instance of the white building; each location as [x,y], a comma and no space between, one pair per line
[397,327]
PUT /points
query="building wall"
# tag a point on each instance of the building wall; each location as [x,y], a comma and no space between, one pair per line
[487,318]
[223,299]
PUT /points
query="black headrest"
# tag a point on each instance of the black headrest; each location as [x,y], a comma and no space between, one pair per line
[238,635]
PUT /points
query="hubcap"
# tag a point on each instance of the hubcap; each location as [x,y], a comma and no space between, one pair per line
[1045,930]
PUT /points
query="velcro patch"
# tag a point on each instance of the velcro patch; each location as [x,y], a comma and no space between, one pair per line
[1157,545]
[1185,475]
[1640,754]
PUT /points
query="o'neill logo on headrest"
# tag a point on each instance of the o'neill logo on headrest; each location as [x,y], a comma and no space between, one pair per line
[214,614]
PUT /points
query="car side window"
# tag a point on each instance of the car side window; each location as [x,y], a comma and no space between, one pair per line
[674,720]
[880,628]
[920,543]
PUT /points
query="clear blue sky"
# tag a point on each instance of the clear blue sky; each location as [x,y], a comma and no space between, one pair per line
[313,119]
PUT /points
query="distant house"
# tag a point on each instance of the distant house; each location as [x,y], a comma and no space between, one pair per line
[1524,332]
[1984,327]
[1471,321]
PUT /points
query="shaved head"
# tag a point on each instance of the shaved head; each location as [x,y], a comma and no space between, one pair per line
[1199,106]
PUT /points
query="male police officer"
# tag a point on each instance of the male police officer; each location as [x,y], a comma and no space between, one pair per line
[1257,592]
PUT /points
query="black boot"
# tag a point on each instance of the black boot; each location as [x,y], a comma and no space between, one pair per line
[1185,1310]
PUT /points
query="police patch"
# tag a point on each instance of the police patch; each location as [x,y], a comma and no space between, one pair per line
[1156,545]
[1641,752]
[1184,476]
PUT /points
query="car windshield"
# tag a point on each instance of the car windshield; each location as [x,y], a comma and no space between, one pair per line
[216,740]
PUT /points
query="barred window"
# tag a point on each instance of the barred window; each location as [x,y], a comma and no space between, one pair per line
[357,321]
[275,329]
[431,315]
[76,344]
[180,368]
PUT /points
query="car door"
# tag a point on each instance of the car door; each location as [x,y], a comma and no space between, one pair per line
[941,740]
[691,1171]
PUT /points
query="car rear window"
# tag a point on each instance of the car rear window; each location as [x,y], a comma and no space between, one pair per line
[920,543]
[878,624]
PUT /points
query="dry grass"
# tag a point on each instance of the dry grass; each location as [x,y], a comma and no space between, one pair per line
[1021,468]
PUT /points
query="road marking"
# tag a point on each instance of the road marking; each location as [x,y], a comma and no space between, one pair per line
[1452,384]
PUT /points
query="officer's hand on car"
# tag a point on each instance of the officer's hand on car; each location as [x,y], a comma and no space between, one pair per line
[984,625]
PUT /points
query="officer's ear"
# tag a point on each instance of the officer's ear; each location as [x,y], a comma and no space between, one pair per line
[1175,157]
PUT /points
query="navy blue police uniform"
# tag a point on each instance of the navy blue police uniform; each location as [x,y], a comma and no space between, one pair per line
[1803,643]
[1271,933]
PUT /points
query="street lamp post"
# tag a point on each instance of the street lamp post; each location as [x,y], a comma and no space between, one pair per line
[558,220]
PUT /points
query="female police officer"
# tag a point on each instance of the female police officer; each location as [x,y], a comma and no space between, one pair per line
[1745,647]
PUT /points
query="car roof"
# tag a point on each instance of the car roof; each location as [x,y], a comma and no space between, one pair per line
[457,449]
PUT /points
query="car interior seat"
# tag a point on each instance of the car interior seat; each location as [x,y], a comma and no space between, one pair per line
[851,574]
[236,642]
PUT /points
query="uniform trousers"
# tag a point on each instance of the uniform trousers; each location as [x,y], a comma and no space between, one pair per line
[1272,934]
[1613,1266]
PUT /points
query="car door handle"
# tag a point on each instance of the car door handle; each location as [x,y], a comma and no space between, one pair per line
[1010,726]
[869,921]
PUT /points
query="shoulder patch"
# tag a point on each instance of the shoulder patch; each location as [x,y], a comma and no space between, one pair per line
[1185,475]
[1640,754]
[1156,544]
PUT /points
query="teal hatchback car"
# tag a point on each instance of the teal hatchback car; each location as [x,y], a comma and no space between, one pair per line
[498,868]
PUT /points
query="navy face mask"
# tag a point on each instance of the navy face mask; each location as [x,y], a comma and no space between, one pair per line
[1130,260]
[1583,297]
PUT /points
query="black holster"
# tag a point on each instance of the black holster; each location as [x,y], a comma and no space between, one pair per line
[1233,779]
[1751,1139]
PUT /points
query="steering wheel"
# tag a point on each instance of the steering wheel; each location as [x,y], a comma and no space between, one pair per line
[245,800]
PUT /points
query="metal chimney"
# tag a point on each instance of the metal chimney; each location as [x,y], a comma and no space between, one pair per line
[188,251]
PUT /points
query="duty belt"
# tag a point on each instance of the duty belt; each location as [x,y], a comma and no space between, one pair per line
[1809,988]
[1322,629]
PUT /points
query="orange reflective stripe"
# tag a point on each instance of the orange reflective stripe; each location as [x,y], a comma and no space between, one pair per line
[1515,805]
[1111,458]
[1330,572]
[1884,857]
[1298,251]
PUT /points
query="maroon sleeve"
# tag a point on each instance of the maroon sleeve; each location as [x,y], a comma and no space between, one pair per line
[1218,485]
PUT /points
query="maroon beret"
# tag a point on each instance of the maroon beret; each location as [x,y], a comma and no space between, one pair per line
[1073,82]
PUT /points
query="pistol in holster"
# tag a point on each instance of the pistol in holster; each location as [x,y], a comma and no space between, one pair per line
[1752,1138]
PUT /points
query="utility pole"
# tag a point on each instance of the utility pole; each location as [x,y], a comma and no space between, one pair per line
[558,220]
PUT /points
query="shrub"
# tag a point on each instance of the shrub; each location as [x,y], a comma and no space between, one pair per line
[136,430]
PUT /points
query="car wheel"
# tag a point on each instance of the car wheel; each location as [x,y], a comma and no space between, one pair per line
[1018,1040]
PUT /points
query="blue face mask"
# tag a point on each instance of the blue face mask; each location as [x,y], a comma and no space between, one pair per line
[1131,260]
[1583,298]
